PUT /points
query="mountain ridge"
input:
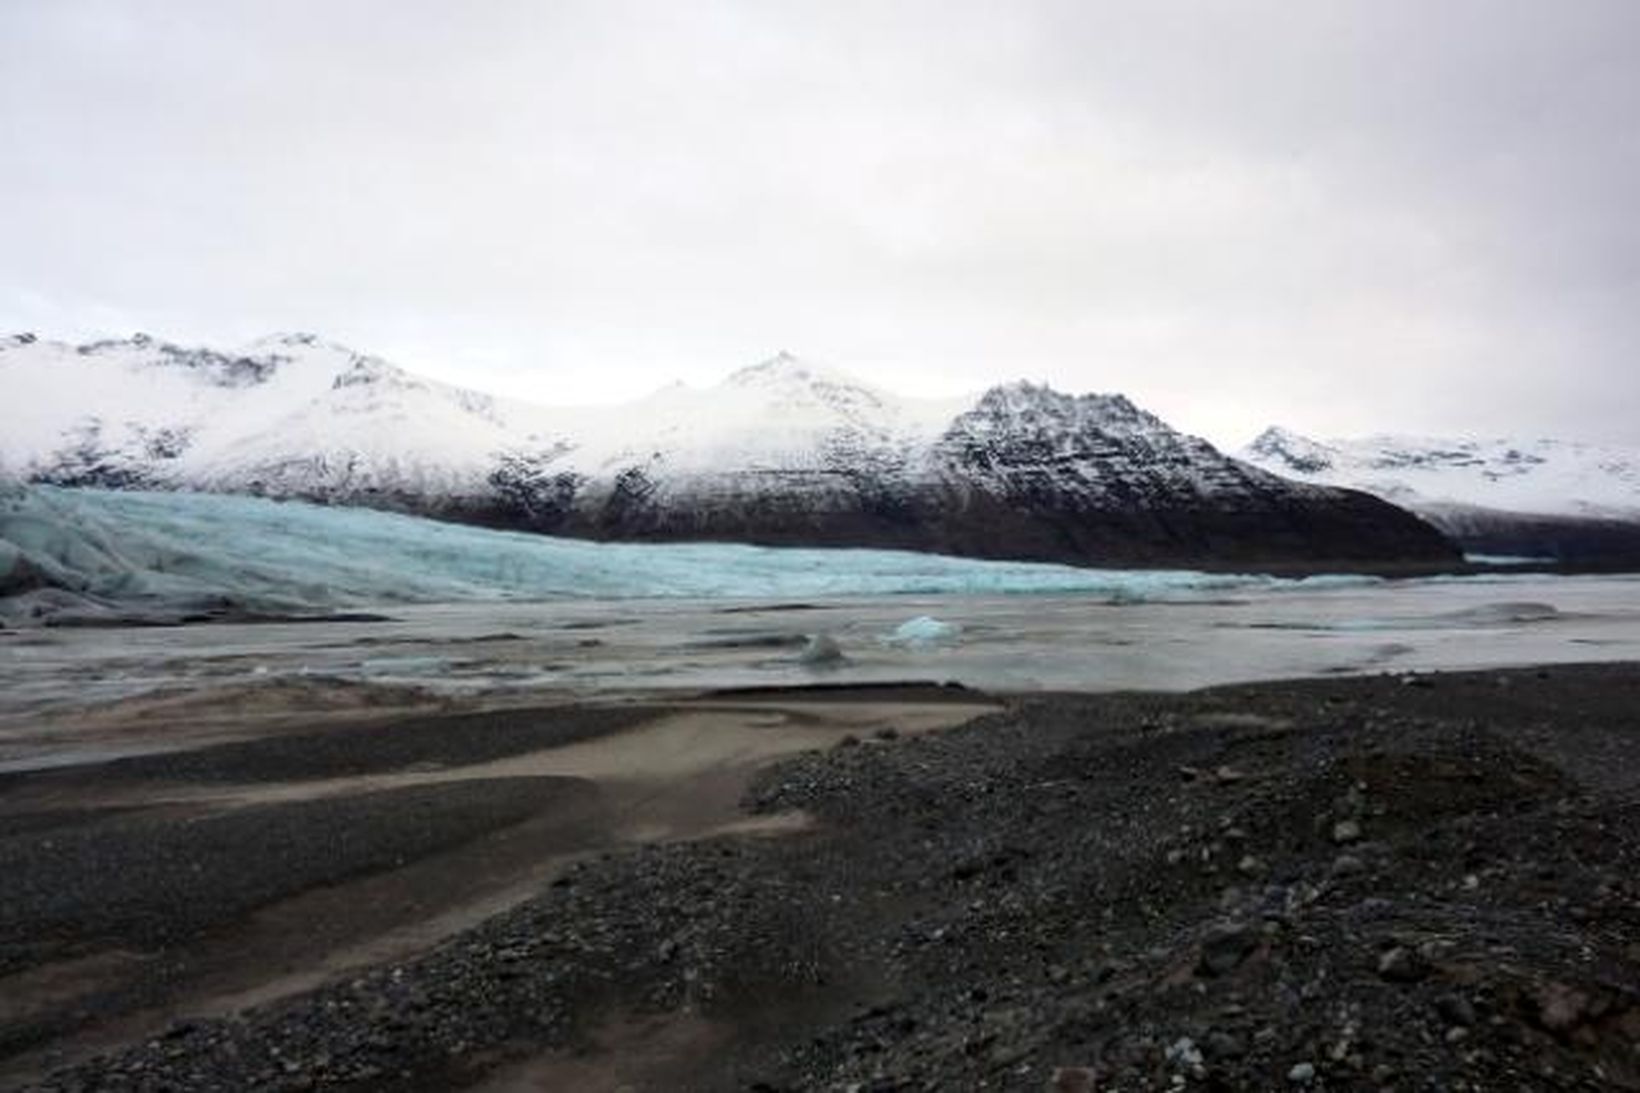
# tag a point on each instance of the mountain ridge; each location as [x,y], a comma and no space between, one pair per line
[781,452]
[1536,497]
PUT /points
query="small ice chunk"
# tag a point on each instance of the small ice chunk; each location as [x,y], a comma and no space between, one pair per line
[821,651]
[405,666]
[923,632]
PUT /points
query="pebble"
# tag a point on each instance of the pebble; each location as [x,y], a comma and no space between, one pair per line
[1071,1079]
[1183,1052]
[1455,1009]
[1224,1045]
[1060,945]
[1561,1008]
[1348,865]
[1401,965]
[1346,831]
[1225,947]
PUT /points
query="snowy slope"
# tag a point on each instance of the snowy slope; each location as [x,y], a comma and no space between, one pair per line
[289,414]
[1536,498]
[784,452]
[1541,476]
[781,414]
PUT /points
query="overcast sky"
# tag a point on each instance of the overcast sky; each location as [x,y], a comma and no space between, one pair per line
[1340,216]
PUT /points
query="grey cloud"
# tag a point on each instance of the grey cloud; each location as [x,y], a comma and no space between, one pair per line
[1344,216]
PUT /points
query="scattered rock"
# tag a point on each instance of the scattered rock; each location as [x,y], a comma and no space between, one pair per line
[1225,947]
[1561,1008]
[1402,965]
[1348,865]
[1020,863]
[1455,1009]
[1184,1053]
[1071,1079]
[1221,1045]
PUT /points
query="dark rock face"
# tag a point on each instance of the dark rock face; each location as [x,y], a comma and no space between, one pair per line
[1569,539]
[1581,504]
[1027,474]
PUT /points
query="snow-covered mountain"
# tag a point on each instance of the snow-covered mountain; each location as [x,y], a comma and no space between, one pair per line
[782,452]
[1537,497]
[287,415]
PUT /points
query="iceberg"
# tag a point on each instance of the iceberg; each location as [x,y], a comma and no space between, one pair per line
[924,632]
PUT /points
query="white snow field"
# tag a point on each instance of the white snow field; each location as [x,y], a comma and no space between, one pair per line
[296,415]
[185,551]
[1519,474]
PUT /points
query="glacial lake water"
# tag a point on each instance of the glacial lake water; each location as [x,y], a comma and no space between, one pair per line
[615,647]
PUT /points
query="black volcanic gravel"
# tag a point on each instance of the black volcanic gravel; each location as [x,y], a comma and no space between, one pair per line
[153,881]
[420,740]
[1385,883]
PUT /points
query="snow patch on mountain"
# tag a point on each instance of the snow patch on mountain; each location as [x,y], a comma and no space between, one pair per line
[1534,476]
[287,414]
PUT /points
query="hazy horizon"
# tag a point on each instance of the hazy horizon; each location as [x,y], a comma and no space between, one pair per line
[1344,219]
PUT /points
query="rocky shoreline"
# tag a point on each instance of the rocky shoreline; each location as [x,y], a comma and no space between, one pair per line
[1405,882]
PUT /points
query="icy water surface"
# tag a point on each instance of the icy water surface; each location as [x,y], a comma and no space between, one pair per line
[1016,642]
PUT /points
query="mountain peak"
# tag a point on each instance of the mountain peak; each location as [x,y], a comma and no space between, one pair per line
[298,339]
[364,371]
[787,370]
[1290,451]
[292,338]
[1275,435]
[1039,399]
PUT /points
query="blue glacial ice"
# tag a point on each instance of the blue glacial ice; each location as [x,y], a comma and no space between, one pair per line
[924,632]
[179,549]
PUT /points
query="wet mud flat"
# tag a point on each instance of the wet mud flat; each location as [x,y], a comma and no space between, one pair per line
[1402,882]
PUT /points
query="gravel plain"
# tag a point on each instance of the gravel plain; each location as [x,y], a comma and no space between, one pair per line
[1387,882]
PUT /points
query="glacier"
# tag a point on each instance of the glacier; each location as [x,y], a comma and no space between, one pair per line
[65,552]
